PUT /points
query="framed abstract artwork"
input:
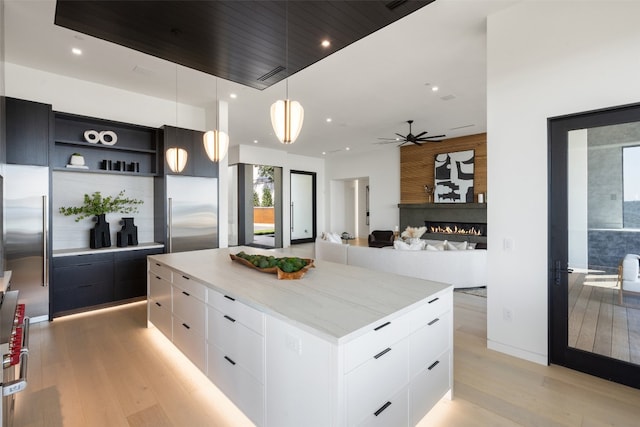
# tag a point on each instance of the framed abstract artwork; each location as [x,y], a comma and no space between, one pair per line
[454,177]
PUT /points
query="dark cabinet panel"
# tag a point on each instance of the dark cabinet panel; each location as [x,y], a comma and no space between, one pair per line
[198,164]
[82,281]
[130,279]
[27,132]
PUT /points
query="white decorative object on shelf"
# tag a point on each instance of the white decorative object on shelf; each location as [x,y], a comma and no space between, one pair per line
[76,159]
[91,136]
[77,167]
[108,137]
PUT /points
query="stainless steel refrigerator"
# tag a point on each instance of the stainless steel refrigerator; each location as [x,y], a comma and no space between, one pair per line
[192,213]
[26,219]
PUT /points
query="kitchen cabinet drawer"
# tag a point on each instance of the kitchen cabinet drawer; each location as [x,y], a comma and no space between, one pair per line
[161,270]
[160,290]
[190,286]
[160,316]
[241,312]
[370,384]
[243,345]
[381,336]
[427,312]
[429,387]
[428,342]
[392,412]
[189,309]
[130,273]
[239,386]
[190,340]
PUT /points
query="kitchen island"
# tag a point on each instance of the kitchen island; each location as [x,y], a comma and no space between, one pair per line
[342,346]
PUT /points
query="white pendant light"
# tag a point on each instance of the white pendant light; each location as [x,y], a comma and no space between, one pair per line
[286,118]
[215,141]
[216,144]
[177,159]
[286,115]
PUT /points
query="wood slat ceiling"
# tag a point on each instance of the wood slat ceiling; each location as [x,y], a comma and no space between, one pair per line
[238,41]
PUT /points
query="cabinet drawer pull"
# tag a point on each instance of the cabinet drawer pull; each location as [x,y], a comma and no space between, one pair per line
[382,408]
[186,326]
[84,265]
[158,277]
[186,293]
[85,286]
[382,326]
[382,353]
[433,321]
[229,360]
[433,300]
[186,277]
[158,264]
[158,304]
[228,297]
[229,318]
[433,365]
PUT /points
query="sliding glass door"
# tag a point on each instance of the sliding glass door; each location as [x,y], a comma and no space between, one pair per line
[303,207]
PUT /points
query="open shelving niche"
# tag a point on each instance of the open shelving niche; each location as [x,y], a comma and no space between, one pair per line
[136,144]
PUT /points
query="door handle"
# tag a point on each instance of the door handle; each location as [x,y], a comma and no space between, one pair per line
[558,271]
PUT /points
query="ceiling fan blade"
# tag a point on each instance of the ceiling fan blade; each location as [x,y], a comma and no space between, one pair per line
[386,142]
[420,134]
[416,142]
[401,136]
[426,138]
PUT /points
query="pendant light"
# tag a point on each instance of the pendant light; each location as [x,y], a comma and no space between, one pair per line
[176,157]
[286,115]
[215,141]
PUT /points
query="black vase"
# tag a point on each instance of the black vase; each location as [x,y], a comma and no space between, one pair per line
[128,234]
[99,235]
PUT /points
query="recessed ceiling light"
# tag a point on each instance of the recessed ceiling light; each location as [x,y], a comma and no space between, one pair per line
[435,88]
[326,43]
[233,96]
[255,141]
[328,119]
[347,148]
[324,153]
[76,51]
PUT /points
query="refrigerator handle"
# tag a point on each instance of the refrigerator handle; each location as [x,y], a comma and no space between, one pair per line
[170,223]
[45,238]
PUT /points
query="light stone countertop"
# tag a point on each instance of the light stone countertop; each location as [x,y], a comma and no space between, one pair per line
[333,301]
[113,248]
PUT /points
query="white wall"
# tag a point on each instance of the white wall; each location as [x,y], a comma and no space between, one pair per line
[383,169]
[267,156]
[544,59]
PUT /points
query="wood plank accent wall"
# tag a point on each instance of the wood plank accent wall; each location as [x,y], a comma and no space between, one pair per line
[417,164]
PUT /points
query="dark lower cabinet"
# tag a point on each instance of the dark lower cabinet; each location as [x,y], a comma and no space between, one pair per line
[83,281]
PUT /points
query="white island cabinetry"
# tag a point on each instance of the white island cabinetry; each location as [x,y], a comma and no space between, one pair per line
[343,346]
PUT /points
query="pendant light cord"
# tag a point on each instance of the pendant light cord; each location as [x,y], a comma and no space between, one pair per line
[286,46]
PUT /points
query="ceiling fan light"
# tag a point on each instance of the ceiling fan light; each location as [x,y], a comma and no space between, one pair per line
[286,118]
[216,144]
[176,159]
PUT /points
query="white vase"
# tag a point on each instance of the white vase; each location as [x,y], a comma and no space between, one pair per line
[77,160]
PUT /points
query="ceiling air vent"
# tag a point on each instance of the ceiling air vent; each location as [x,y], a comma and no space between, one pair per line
[395,3]
[271,73]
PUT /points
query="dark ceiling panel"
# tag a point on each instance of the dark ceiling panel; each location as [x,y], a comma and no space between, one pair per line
[240,40]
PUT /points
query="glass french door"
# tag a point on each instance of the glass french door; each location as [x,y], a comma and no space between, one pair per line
[594,243]
[303,207]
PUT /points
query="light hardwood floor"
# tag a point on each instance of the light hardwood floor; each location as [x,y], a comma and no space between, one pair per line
[601,320]
[107,369]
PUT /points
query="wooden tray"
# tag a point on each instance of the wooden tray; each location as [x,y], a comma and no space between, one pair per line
[281,274]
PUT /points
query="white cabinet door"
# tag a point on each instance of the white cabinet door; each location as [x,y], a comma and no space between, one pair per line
[160,316]
[190,341]
[243,345]
[235,382]
[429,342]
[429,386]
[392,413]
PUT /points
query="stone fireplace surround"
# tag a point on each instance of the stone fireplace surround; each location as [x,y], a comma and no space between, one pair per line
[415,215]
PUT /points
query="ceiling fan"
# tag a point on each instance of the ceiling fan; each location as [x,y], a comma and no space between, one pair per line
[416,139]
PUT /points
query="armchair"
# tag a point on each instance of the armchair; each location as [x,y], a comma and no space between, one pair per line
[381,238]
[631,273]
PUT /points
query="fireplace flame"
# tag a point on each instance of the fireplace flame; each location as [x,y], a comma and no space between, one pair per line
[472,231]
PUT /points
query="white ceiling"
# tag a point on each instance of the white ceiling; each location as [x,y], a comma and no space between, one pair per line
[369,89]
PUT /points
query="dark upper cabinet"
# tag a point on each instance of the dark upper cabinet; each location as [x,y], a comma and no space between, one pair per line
[27,132]
[198,164]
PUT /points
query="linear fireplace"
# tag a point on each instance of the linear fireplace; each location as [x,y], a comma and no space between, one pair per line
[457,228]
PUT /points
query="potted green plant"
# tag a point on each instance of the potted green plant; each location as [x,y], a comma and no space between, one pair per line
[97,206]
